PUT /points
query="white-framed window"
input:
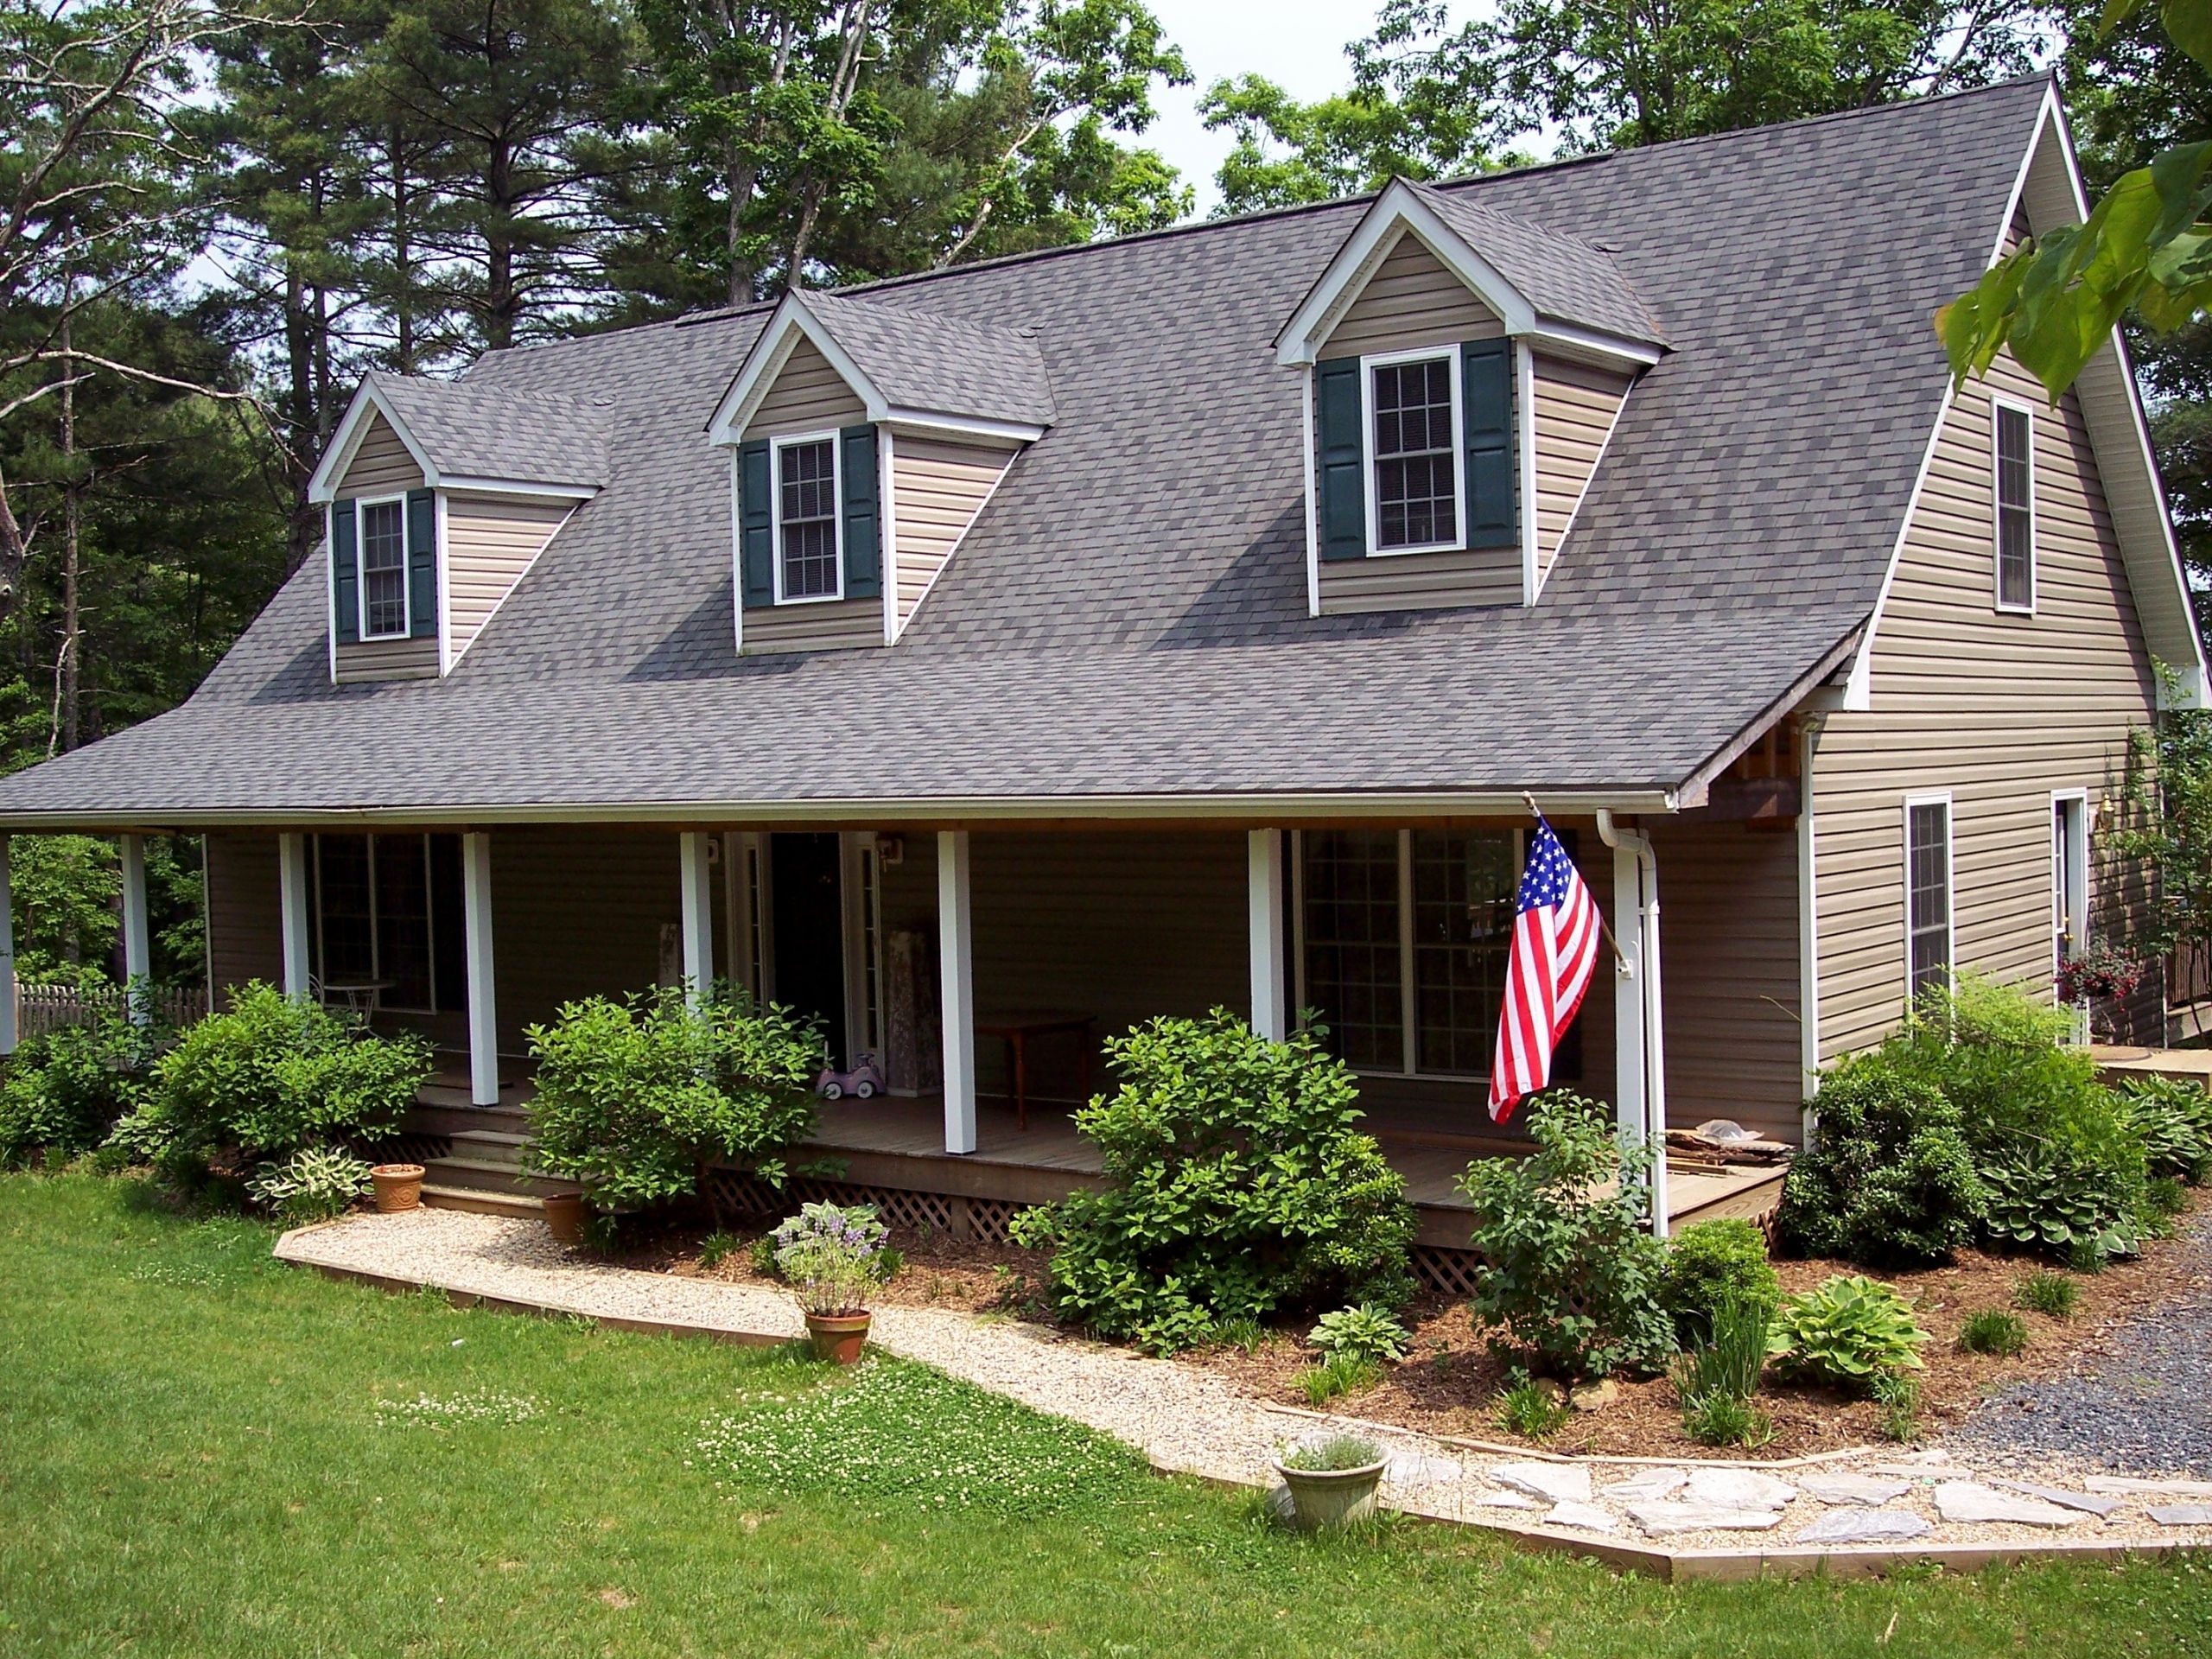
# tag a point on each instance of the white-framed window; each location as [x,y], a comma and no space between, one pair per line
[387,920]
[1416,444]
[2012,492]
[2070,875]
[1928,892]
[382,550]
[809,528]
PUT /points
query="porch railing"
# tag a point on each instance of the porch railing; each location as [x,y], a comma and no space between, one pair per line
[42,1008]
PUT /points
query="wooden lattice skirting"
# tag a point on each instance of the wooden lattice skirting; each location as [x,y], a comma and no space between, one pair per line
[983,1220]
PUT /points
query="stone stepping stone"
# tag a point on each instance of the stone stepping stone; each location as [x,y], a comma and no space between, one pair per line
[1587,1517]
[1503,1501]
[1869,1492]
[1857,1525]
[2182,1515]
[1413,1469]
[1738,1489]
[1643,1487]
[2154,1488]
[1969,1502]
[1555,1482]
[2088,1502]
[1663,1516]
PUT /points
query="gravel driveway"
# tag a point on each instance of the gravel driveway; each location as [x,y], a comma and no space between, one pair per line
[2138,1401]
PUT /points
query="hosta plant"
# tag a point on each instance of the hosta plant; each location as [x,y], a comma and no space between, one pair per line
[313,1183]
[1845,1333]
[2041,1199]
[2175,1118]
[1366,1332]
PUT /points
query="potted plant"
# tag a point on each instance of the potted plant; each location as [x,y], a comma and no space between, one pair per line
[833,1257]
[398,1187]
[1333,1479]
[564,1217]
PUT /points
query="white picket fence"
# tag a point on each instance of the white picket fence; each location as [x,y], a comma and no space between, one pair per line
[42,1008]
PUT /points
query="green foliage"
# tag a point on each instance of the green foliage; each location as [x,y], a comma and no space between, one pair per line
[1889,1178]
[637,1098]
[65,1091]
[1236,1186]
[1898,1393]
[272,1075]
[1574,1280]
[1366,1332]
[2054,1294]
[1711,1264]
[1845,1333]
[1730,1361]
[1724,1420]
[832,1256]
[2175,1118]
[1247,1335]
[1339,1374]
[2164,1197]
[313,1183]
[1992,1330]
[718,1247]
[1531,1409]
[1333,1455]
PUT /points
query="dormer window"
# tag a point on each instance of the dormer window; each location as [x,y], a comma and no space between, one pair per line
[384,570]
[810,554]
[1413,442]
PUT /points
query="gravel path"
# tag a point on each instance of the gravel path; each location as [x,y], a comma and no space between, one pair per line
[2139,1402]
[1194,1421]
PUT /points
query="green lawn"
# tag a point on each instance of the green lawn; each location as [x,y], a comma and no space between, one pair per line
[203,1452]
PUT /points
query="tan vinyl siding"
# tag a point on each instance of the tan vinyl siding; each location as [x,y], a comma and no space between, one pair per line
[807,395]
[245,935]
[937,489]
[1728,971]
[1576,406]
[1421,582]
[389,659]
[576,911]
[814,625]
[1411,300]
[381,464]
[2000,709]
[490,541]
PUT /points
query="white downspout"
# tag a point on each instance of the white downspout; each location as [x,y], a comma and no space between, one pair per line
[1655,1055]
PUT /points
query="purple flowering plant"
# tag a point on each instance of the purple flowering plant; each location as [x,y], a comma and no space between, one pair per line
[832,1256]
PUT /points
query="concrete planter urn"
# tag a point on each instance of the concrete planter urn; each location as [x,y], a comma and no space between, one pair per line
[398,1187]
[1323,1497]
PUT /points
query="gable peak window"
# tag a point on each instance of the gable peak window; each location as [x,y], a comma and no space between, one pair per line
[2013,460]
[809,562]
[1414,440]
[384,570]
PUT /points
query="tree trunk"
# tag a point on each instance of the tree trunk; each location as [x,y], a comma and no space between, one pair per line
[72,514]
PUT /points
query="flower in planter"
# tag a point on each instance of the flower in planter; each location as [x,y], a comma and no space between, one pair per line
[832,1256]
[2102,972]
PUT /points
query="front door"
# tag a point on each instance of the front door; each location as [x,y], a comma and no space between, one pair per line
[809,932]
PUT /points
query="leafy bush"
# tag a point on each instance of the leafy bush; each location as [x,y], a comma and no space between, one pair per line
[830,1256]
[1333,1454]
[313,1183]
[271,1077]
[66,1090]
[1574,1279]
[637,1099]
[2040,1197]
[1890,1177]
[1236,1186]
[1529,1409]
[1845,1333]
[2164,1197]
[1710,1264]
[1992,1330]
[2175,1118]
[2050,1294]
[1337,1374]
[1366,1332]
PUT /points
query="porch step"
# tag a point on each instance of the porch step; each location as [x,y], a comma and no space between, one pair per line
[440,1092]
[490,1147]
[477,1175]
[482,1204]
[428,1118]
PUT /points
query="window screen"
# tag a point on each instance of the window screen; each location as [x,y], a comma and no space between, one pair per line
[2016,543]
[383,570]
[807,509]
[1417,474]
[1928,892]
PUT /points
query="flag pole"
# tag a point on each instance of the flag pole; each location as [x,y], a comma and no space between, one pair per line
[1605,927]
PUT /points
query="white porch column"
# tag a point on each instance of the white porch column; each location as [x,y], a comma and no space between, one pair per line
[8,1027]
[1654,1043]
[1639,1036]
[1263,890]
[292,891]
[138,944]
[956,990]
[698,916]
[1629,1061]
[483,1014]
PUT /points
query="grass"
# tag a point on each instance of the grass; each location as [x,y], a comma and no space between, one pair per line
[1339,1374]
[203,1454]
[1531,1410]
[1992,1330]
[2054,1294]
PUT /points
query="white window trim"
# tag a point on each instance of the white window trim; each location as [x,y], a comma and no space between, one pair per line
[361,570]
[1933,797]
[2078,868]
[776,447]
[1999,400]
[1367,364]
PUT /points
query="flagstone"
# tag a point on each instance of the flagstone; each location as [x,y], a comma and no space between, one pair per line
[2088,1502]
[1738,1489]
[1870,1491]
[1413,1469]
[2182,1515]
[1858,1525]
[1560,1483]
[1967,1501]
[1665,1515]
[1587,1517]
[2154,1488]
[1650,1484]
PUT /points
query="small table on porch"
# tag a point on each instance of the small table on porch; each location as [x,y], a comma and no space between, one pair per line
[361,997]
[1016,1028]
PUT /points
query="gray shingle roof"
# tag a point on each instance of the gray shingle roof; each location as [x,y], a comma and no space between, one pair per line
[919,359]
[1565,278]
[475,429]
[1127,615]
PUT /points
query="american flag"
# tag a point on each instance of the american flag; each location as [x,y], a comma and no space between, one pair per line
[1554,952]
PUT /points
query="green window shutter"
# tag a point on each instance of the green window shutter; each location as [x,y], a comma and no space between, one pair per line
[1486,394]
[345,573]
[858,478]
[756,524]
[422,564]
[1340,469]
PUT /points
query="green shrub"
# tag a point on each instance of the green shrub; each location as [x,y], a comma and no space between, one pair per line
[271,1077]
[1724,1419]
[1236,1185]
[1992,1330]
[1337,1374]
[313,1183]
[2175,1118]
[1845,1333]
[637,1099]
[1574,1279]
[2165,1198]
[66,1090]
[1890,1177]
[1531,1409]
[1710,1264]
[1368,1331]
[2041,1197]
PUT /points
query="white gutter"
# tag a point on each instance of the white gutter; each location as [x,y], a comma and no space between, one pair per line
[1653,1057]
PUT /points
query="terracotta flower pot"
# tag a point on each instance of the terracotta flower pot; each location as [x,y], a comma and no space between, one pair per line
[838,1337]
[564,1216]
[1331,1498]
[398,1187]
